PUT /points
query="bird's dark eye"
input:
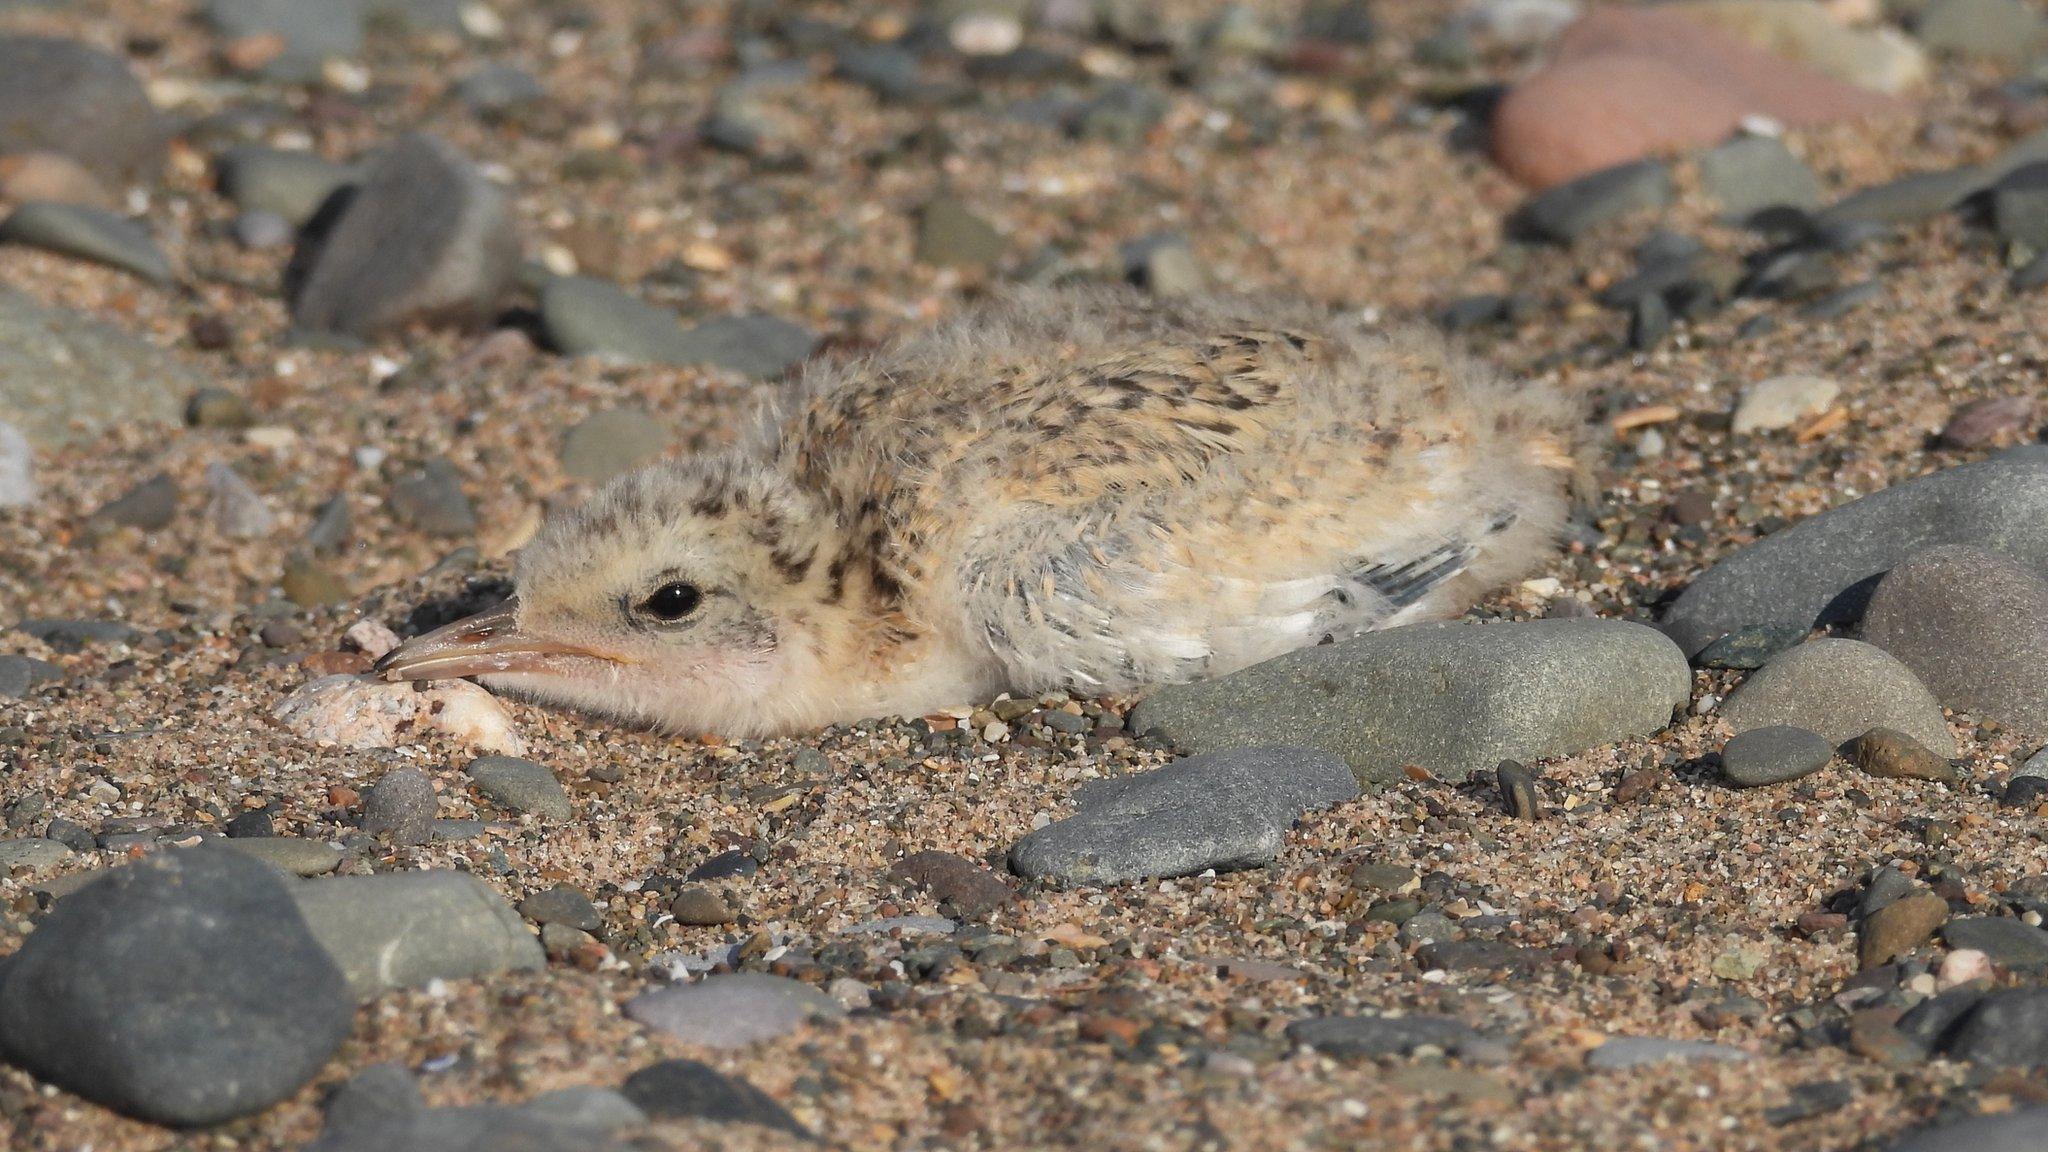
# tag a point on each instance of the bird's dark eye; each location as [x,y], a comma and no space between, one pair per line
[672,601]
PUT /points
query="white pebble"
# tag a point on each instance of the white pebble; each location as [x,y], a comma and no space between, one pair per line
[371,638]
[986,34]
[235,508]
[358,712]
[1705,704]
[1961,967]
[1783,401]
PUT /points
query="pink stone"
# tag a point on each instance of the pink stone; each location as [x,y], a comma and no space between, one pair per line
[1625,83]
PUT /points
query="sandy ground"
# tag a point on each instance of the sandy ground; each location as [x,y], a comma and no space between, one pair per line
[1357,200]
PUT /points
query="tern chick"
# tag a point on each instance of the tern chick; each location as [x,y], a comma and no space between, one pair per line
[1081,491]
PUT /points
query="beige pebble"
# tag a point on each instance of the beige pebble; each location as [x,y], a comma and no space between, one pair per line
[360,712]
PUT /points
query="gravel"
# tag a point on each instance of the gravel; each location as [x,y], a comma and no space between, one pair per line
[183,990]
[1453,698]
[1383,1036]
[1221,810]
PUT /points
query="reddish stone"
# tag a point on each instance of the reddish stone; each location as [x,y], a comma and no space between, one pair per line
[1627,83]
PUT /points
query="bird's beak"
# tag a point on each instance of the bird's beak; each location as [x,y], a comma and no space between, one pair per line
[488,643]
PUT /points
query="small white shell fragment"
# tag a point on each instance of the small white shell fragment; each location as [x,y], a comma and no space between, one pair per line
[371,637]
[359,712]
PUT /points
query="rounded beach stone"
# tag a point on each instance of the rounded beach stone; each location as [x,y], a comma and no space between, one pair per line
[1973,625]
[72,99]
[183,990]
[1774,755]
[734,1010]
[1840,689]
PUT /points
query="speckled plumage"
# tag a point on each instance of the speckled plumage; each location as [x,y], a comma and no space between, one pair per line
[1088,491]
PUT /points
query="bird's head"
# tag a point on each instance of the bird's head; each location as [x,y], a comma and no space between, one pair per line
[687,596]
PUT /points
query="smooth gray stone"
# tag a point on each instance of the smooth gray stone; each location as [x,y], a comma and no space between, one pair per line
[294,854]
[1823,569]
[1972,624]
[19,675]
[1751,173]
[183,990]
[1565,213]
[2007,1028]
[31,852]
[1452,697]
[732,1011]
[692,1090]
[1840,689]
[520,785]
[2021,1130]
[612,442]
[586,1106]
[87,233]
[287,182]
[1222,810]
[402,929]
[2008,30]
[401,805]
[1634,1051]
[424,237]
[582,316]
[18,487]
[313,31]
[752,345]
[1909,199]
[63,374]
[70,98]
[1774,755]
[1378,1036]
[2009,942]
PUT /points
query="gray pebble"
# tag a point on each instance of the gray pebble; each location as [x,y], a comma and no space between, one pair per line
[73,99]
[1973,625]
[1634,1051]
[520,785]
[403,929]
[1774,755]
[1839,689]
[401,806]
[736,1010]
[88,234]
[430,499]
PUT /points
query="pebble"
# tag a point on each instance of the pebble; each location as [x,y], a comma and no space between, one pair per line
[1520,24]
[401,805]
[424,237]
[1564,213]
[1782,401]
[969,888]
[308,585]
[1898,927]
[361,713]
[70,636]
[1372,1036]
[519,785]
[613,442]
[2023,1129]
[65,97]
[404,929]
[33,853]
[2007,1028]
[1892,755]
[1620,1052]
[294,854]
[88,233]
[1821,570]
[1907,200]
[1223,810]
[260,231]
[1972,624]
[950,235]
[20,675]
[757,346]
[732,1011]
[1518,791]
[1879,59]
[1750,174]
[307,33]
[1454,698]
[687,1089]
[1981,422]
[234,508]
[18,488]
[430,499]
[1774,755]
[1840,689]
[288,184]
[149,506]
[564,905]
[695,904]
[499,92]
[2009,30]
[27,176]
[1751,647]
[586,317]
[182,990]
[2006,941]
[587,1107]
[1625,83]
